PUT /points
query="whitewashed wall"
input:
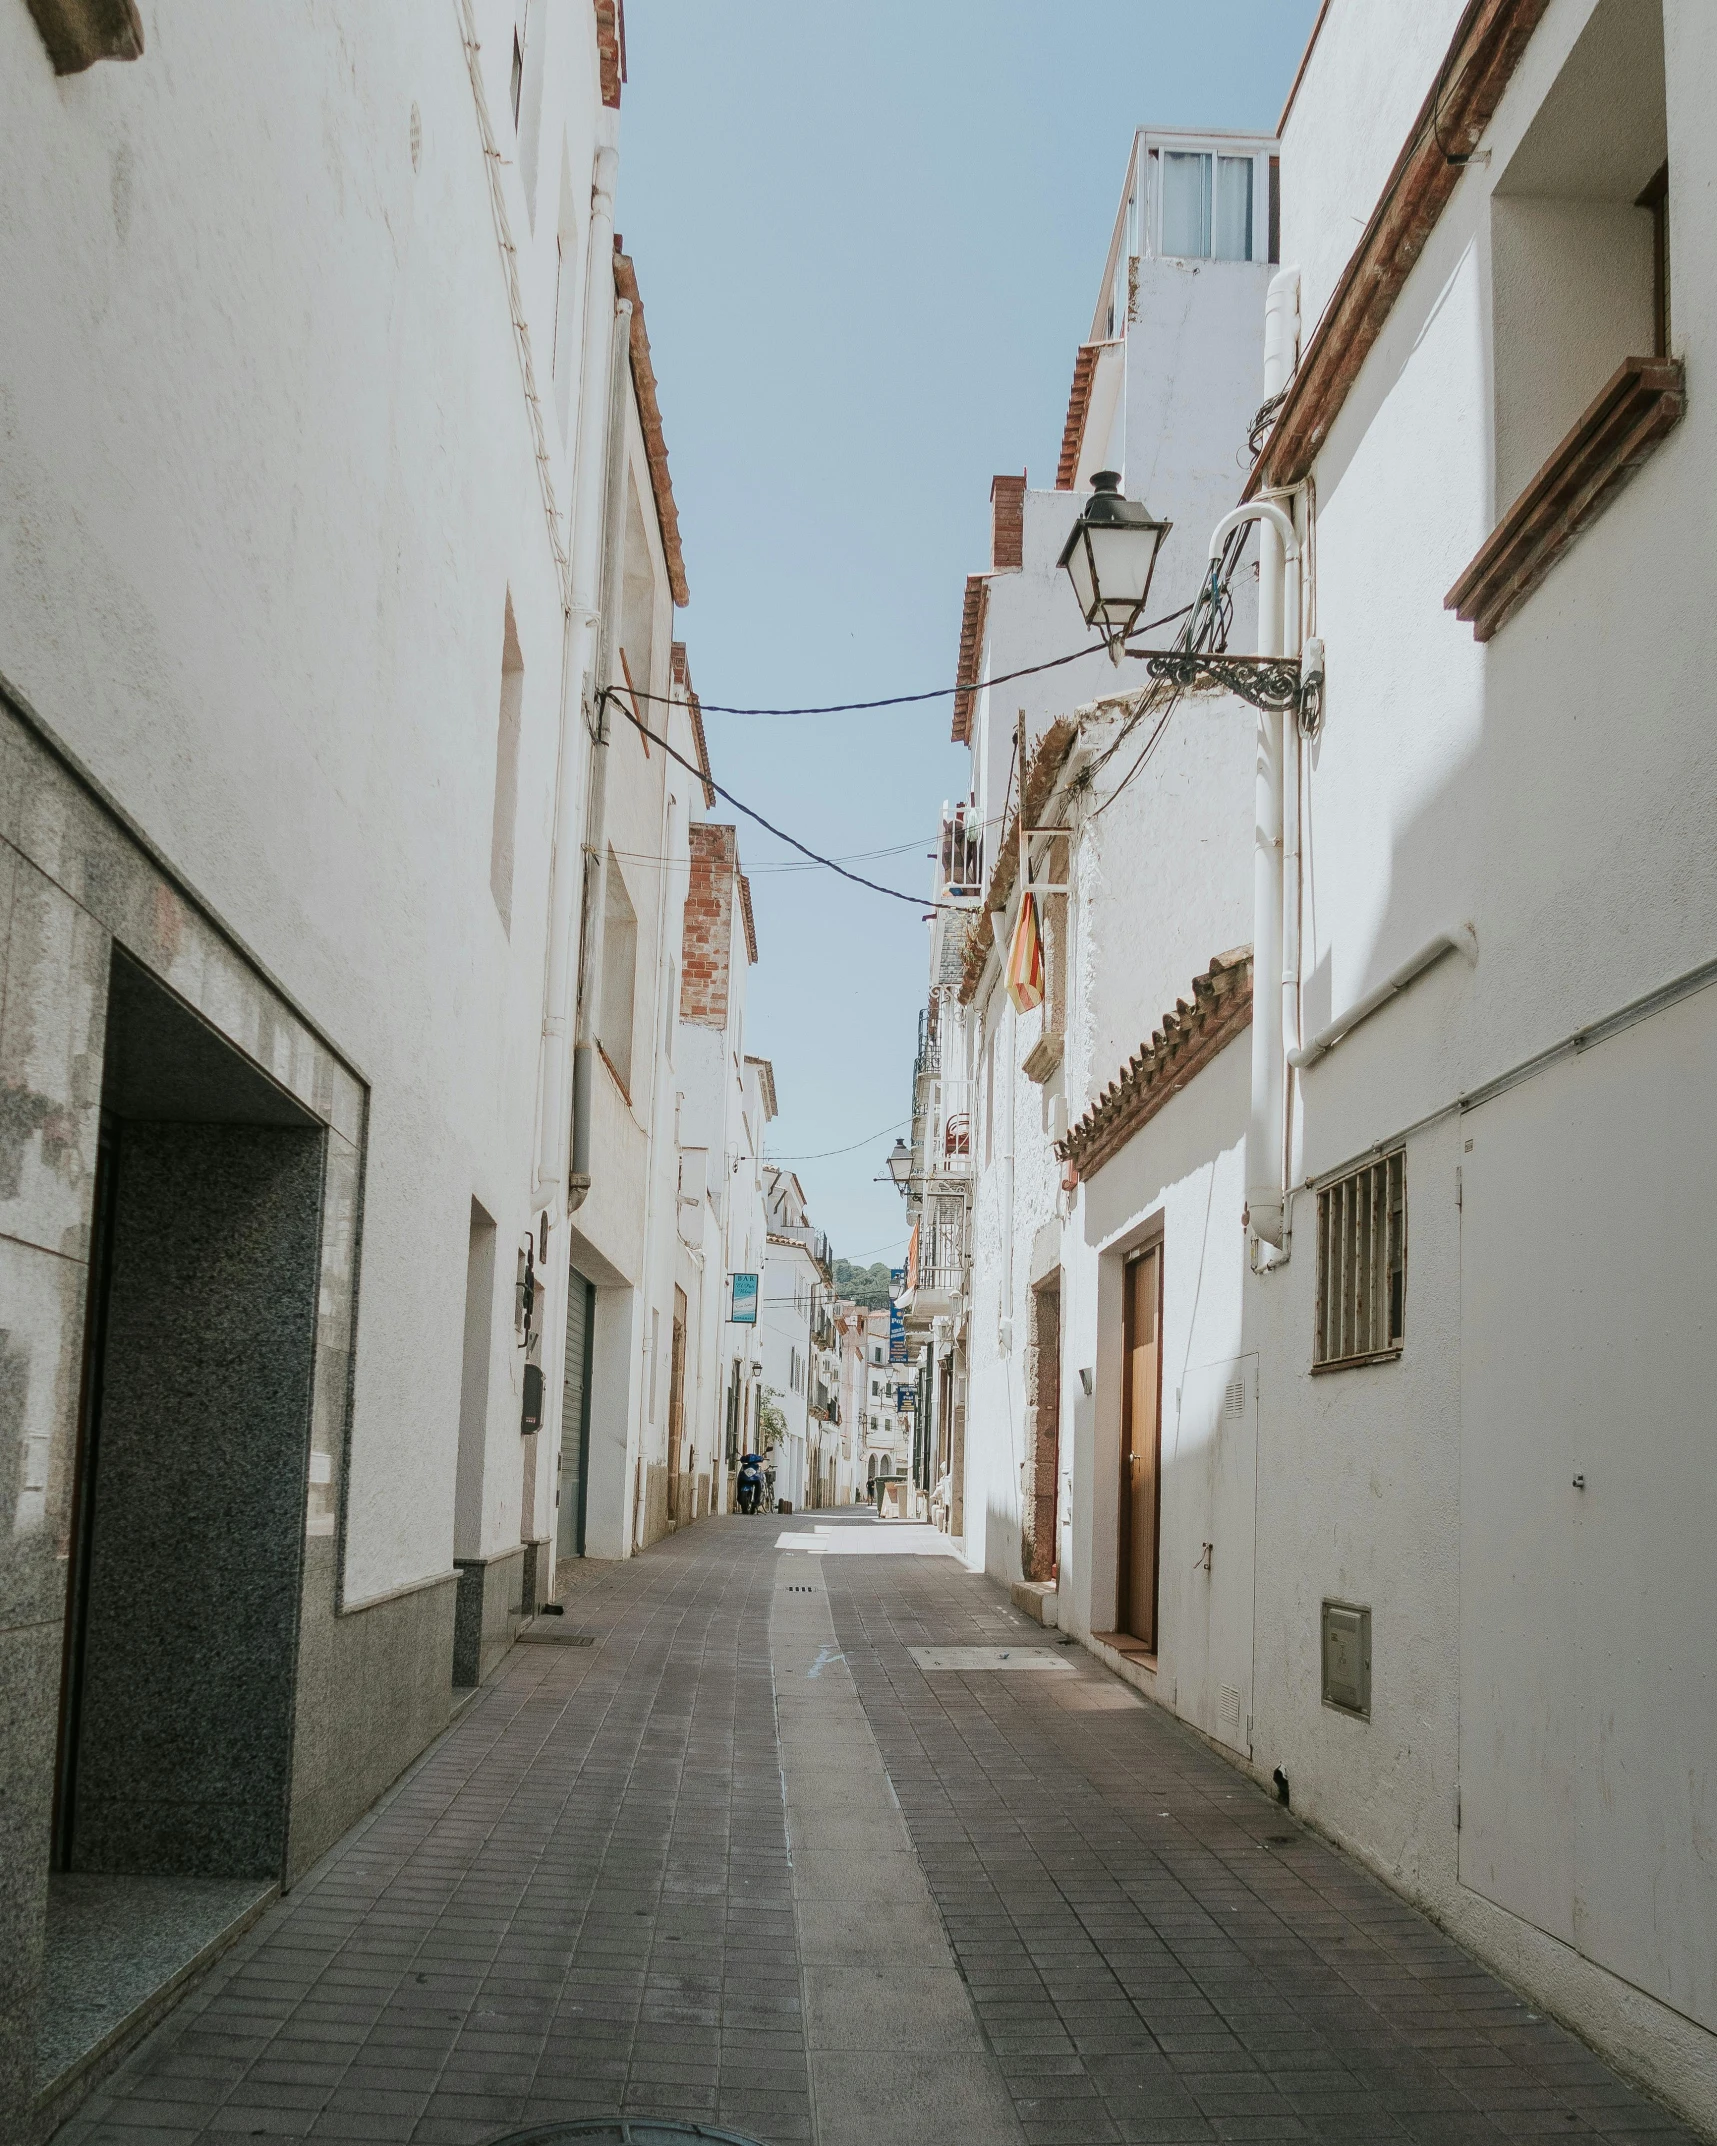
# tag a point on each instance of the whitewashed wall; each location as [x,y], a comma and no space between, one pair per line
[268,483]
[1556,789]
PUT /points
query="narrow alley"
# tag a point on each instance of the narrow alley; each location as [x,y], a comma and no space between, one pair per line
[726,1850]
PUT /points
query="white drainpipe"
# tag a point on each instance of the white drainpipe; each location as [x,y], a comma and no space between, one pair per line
[595,904]
[1278,606]
[1275,950]
[589,486]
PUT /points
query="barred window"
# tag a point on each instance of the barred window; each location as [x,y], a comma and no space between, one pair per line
[1362,1265]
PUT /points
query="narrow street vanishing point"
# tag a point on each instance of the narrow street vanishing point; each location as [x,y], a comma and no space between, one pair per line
[742,1854]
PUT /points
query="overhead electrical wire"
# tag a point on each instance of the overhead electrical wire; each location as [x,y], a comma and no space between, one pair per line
[774,865]
[899,1126]
[618,699]
[1205,618]
[907,700]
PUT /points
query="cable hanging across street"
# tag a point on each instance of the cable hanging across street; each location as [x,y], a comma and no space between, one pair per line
[907,700]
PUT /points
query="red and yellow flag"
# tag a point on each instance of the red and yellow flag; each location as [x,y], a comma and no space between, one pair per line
[1025,958]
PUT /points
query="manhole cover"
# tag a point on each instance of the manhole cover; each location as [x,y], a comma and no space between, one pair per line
[620,2131]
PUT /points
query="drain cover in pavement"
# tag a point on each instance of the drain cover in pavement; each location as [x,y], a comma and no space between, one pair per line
[620,2131]
[990,1658]
[551,1635]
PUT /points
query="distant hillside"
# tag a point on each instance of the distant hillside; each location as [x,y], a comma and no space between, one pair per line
[863,1285]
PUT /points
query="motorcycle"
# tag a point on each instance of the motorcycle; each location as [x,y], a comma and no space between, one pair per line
[751,1487]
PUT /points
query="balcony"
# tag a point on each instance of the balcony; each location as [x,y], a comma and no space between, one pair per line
[814,1242]
[961,855]
[947,1129]
[936,1274]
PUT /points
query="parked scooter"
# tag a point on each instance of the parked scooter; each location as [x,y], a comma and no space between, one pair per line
[752,1489]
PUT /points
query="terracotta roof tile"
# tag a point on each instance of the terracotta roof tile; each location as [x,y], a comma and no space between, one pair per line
[746,917]
[683,677]
[1489,40]
[1042,768]
[1078,403]
[971,644]
[1190,1037]
[650,419]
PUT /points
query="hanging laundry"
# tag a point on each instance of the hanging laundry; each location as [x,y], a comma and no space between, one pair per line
[1025,958]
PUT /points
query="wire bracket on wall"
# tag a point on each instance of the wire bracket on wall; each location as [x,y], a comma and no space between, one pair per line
[1265,681]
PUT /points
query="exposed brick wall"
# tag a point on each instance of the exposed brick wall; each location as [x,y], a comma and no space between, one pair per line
[1007,524]
[611,48]
[706,951]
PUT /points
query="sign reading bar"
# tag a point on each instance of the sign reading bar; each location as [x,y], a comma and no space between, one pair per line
[742,1299]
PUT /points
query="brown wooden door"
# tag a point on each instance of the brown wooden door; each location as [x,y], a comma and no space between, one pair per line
[677,1406]
[1141,1446]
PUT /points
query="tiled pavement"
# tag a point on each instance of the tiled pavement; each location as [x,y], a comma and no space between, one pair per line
[582,1901]
[1155,1950]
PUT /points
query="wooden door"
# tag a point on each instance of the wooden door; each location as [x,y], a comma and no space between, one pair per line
[1141,1446]
[677,1406]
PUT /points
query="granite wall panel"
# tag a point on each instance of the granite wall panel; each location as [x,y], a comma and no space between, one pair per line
[490,1606]
[51,1022]
[29,1710]
[374,1688]
[190,1632]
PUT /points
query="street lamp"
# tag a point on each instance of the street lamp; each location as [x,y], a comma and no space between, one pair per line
[900,1164]
[1110,556]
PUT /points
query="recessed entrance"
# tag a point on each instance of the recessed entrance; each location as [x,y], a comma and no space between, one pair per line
[171,1783]
[574,1488]
[1141,1446]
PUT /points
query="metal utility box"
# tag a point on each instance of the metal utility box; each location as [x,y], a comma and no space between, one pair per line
[1347,1658]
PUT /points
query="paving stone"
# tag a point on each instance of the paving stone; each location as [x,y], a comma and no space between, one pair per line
[1104,1867]
[583,1903]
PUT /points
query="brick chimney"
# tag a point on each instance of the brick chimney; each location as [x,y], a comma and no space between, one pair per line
[1007,524]
[706,951]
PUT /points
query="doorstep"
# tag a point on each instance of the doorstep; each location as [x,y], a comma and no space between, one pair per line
[120,1952]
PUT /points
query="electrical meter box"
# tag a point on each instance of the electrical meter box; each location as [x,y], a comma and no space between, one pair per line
[1347,1658]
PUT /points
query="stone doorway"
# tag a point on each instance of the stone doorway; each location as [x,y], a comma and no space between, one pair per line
[186,1542]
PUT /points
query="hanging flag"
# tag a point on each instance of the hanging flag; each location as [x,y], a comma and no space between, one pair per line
[1025,958]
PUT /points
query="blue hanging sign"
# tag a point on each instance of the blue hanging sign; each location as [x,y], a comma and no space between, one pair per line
[742,1299]
[896,1320]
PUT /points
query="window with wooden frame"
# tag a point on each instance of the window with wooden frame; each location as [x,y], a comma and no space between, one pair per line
[1362,1266]
[1584,383]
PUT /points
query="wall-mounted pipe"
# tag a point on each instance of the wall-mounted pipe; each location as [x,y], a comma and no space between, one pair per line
[1275,945]
[1459,939]
[595,904]
[1278,635]
[588,493]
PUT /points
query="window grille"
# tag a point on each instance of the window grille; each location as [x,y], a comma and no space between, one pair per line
[1362,1265]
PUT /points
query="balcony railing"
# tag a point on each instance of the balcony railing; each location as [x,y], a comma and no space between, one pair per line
[938,1273]
[961,854]
[946,1134]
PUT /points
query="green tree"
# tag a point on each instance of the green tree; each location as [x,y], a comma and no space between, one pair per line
[865,1286]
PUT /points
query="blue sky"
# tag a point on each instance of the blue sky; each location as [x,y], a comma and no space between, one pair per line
[868,242]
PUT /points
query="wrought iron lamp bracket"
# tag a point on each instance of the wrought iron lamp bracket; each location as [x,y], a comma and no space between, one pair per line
[1265,681]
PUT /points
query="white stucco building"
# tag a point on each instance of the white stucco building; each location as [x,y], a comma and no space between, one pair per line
[341,923]
[1414,1450]
[1165,390]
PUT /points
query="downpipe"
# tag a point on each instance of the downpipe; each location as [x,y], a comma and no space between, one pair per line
[595,904]
[1278,635]
[1276,821]
[577,643]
